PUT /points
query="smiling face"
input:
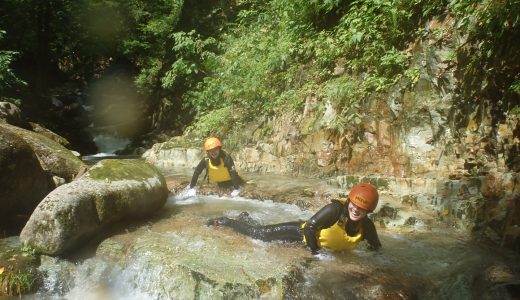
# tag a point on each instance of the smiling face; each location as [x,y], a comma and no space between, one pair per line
[213,153]
[355,213]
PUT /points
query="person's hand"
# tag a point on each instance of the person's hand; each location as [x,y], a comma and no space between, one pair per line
[235,193]
[191,192]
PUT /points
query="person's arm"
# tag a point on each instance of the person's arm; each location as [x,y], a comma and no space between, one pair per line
[324,218]
[370,234]
[230,165]
[198,169]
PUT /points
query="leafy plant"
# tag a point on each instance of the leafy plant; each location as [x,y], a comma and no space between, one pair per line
[491,52]
[191,52]
[8,79]
[15,283]
[215,123]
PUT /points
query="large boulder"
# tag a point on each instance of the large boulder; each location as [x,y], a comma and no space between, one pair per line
[23,182]
[112,190]
[54,158]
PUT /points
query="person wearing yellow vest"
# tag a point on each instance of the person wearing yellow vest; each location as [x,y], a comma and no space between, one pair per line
[219,166]
[340,225]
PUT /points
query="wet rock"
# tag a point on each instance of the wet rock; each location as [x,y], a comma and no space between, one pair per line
[410,200]
[51,135]
[112,190]
[387,211]
[23,182]
[199,262]
[353,281]
[58,181]
[167,155]
[497,282]
[410,221]
[11,114]
[311,196]
[54,158]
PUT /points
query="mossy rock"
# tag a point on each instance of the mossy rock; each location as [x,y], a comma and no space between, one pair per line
[180,142]
[54,158]
[113,170]
[110,192]
[51,135]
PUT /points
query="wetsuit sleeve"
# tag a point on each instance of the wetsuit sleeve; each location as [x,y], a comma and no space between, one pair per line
[324,218]
[370,234]
[230,165]
[198,169]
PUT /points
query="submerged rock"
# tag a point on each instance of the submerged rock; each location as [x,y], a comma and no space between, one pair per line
[180,258]
[498,281]
[112,190]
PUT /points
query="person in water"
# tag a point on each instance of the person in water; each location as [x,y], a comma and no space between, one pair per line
[220,169]
[340,225]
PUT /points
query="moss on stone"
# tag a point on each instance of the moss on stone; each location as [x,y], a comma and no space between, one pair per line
[111,169]
[180,142]
[380,183]
[45,141]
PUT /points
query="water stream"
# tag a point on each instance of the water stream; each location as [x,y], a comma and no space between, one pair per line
[147,260]
[108,144]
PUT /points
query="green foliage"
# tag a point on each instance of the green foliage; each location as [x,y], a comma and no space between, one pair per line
[150,42]
[191,52]
[346,98]
[271,55]
[7,77]
[515,111]
[515,87]
[492,52]
[306,11]
[260,68]
[248,73]
[28,250]
[215,123]
[488,22]
[18,273]
[15,283]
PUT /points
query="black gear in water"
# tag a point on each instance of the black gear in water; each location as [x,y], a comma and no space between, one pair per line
[246,218]
[218,221]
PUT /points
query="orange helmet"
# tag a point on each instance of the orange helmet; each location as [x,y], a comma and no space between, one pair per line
[365,196]
[212,143]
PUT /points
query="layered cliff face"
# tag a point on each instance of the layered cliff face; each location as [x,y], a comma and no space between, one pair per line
[425,131]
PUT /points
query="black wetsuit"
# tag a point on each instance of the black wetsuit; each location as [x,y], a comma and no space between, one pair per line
[293,232]
[235,181]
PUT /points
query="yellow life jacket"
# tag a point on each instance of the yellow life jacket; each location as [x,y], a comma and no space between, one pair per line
[218,173]
[336,238]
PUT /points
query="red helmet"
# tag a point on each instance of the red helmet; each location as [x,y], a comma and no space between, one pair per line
[212,143]
[365,196]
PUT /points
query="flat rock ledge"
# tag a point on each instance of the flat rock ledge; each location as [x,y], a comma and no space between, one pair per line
[111,191]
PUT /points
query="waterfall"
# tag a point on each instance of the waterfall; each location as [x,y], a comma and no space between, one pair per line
[109,143]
